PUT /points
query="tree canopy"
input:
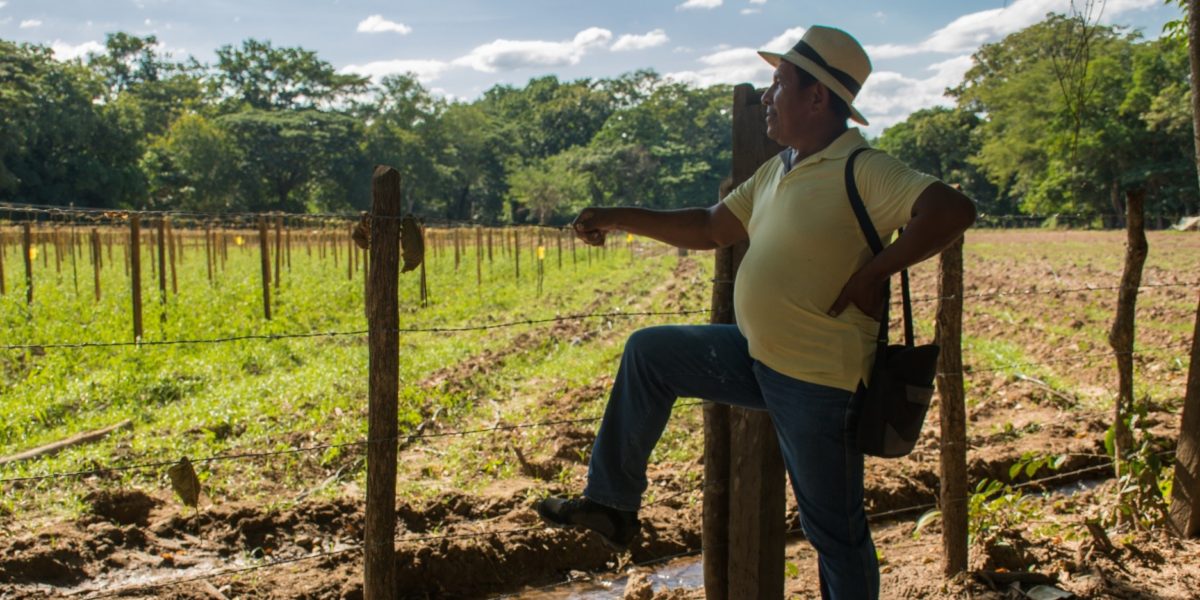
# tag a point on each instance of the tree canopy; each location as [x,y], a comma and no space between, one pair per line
[1059,117]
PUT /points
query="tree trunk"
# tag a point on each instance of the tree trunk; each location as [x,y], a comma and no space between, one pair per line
[1193,10]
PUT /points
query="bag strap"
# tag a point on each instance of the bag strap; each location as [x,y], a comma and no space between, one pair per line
[868,229]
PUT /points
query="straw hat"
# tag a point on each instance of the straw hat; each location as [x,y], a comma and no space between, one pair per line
[834,58]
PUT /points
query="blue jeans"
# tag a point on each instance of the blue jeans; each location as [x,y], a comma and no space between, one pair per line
[812,421]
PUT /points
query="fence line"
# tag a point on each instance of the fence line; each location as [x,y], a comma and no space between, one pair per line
[356,332]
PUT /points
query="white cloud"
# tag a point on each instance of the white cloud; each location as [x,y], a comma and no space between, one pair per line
[784,41]
[30,24]
[508,55]
[738,65]
[378,24]
[751,11]
[657,37]
[889,97]
[65,51]
[3,4]
[968,32]
[699,4]
[425,70]
[758,1]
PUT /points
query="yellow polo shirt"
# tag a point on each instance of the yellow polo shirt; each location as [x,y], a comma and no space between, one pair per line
[805,243]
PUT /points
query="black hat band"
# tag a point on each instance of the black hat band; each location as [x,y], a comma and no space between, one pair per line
[803,49]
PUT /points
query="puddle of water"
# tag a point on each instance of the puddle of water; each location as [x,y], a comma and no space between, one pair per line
[685,573]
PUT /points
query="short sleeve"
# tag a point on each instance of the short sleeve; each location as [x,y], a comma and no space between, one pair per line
[889,189]
[740,201]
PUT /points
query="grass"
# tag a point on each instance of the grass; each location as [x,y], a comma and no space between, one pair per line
[208,399]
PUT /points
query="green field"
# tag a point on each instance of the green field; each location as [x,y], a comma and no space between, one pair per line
[206,399]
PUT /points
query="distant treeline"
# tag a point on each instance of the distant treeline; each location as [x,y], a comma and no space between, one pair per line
[1040,126]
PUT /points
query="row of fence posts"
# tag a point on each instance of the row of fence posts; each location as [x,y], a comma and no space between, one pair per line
[168,245]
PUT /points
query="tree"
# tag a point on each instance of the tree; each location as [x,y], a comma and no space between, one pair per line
[281,153]
[192,167]
[263,77]
[941,141]
[548,187]
[61,144]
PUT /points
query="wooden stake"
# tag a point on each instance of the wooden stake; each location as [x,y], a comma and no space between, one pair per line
[264,250]
[953,407]
[208,253]
[278,250]
[172,243]
[135,270]
[383,314]
[479,257]
[1185,491]
[96,263]
[161,240]
[3,255]
[27,238]
[517,253]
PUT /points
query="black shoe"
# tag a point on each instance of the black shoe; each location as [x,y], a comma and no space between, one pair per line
[616,527]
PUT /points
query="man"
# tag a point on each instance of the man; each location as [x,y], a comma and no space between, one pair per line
[807,297]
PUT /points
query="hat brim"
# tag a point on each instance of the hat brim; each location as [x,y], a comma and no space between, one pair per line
[810,67]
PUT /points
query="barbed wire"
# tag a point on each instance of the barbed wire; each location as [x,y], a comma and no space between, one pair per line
[1050,292]
[355,332]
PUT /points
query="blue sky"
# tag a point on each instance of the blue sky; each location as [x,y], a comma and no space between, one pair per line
[459,48]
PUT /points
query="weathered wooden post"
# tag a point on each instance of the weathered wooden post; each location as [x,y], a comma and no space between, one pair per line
[952,398]
[1121,336]
[278,251]
[264,250]
[27,251]
[97,262]
[135,272]
[478,257]
[715,533]
[172,243]
[517,252]
[757,480]
[3,255]
[1185,491]
[383,318]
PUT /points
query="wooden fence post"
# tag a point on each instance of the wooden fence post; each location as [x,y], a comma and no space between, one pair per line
[1185,492]
[3,255]
[479,257]
[27,238]
[97,262]
[264,250]
[383,318]
[757,478]
[715,533]
[278,251]
[517,252]
[953,408]
[172,244]
[1121,336]
[161,241]
[135,272]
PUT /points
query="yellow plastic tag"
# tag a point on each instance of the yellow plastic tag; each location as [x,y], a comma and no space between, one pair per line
[628,238]
[32,253]
[541,253]
[238,240]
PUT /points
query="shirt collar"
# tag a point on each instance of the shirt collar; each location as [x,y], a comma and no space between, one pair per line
[841,147]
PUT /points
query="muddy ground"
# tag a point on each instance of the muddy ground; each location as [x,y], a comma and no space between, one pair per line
[138,543]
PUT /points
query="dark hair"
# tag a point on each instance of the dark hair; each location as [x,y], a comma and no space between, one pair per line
[840,109]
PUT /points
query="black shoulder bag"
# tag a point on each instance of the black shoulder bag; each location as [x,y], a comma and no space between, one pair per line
[891,409]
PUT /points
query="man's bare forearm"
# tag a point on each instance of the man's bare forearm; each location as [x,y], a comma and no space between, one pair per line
[685,228]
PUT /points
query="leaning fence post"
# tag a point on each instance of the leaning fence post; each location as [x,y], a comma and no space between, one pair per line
[1121,335]
[265,253]
[953,410]
[97,262]
[1185,491]
[383,322]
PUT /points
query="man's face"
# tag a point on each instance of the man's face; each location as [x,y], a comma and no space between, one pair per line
[788,105]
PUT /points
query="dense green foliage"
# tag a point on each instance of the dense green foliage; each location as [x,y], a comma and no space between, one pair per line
[1063,116]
